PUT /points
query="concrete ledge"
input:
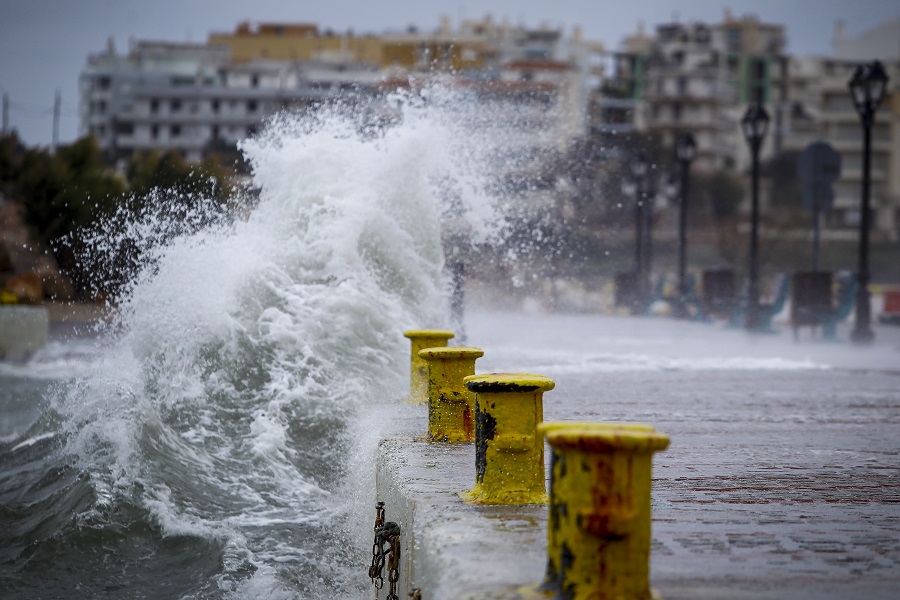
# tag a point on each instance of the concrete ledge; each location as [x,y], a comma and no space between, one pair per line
[451,549]
[23,330]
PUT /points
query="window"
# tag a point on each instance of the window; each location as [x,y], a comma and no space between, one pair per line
[251,106]
[757,81]
[215,106]
[733,39]
[154,106]
[175,131]
[701,35]
[175,105]
[154,132]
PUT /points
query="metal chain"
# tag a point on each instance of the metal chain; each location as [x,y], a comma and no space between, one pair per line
[394,566]
[385,534]
[377,565]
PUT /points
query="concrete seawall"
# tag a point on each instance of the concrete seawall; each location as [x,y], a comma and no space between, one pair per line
[451,549]
[23,330]
[781,480]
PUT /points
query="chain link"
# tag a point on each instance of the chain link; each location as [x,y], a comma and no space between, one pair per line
[377,566]
[386,534]
[394,566]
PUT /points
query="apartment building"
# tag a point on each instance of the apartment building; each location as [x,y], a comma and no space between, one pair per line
[820,109]
[695,77]
[701,77]
[191,97]
[195,98]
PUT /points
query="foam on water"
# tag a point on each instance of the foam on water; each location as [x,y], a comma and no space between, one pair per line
[55,361]
[223,407]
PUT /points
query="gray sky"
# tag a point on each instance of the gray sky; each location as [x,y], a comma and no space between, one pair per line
[44,43]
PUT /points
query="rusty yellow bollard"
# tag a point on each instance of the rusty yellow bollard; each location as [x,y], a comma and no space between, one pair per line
[601,489]
[509,453]
[418,373]
[551,575]
[451,406]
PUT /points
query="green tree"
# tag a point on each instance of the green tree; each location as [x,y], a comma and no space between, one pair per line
[786,189]
[71,191]
[11,153]
[61,194]
[154,170]
[65,192]
[723,192]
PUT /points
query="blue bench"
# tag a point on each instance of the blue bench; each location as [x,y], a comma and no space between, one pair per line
[765,311]
[819,306]
[768,311]
[846,300]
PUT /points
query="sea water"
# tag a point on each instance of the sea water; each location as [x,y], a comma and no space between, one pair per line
[215,440]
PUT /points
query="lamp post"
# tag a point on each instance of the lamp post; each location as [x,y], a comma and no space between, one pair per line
[639,168]
[754,125]
[867,86]
[685,152]
[627,282]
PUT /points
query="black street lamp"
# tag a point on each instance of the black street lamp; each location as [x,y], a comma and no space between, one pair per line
[627,283]
[639,168]
[754,125]
[867,88]
[685,152]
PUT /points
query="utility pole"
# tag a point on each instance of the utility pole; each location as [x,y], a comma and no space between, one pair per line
[57,101]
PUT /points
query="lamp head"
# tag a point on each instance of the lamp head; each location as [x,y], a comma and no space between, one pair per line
[685,148]
[755,124]
[867,87]
[639,165]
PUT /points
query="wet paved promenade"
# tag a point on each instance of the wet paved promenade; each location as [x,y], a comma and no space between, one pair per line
[783,476]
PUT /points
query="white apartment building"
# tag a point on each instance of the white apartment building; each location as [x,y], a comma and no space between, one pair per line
[702,77]
[820,109]
[195,98]
[192,98]
[695,77]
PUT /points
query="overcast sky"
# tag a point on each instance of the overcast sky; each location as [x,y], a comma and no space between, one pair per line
[44,43]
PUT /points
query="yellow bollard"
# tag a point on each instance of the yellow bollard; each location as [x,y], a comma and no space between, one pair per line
[602,493]
[451,407]
[418,373]
[509,453]
[551,575]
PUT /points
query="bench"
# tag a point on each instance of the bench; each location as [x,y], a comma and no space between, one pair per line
[846,300]
[766,311]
